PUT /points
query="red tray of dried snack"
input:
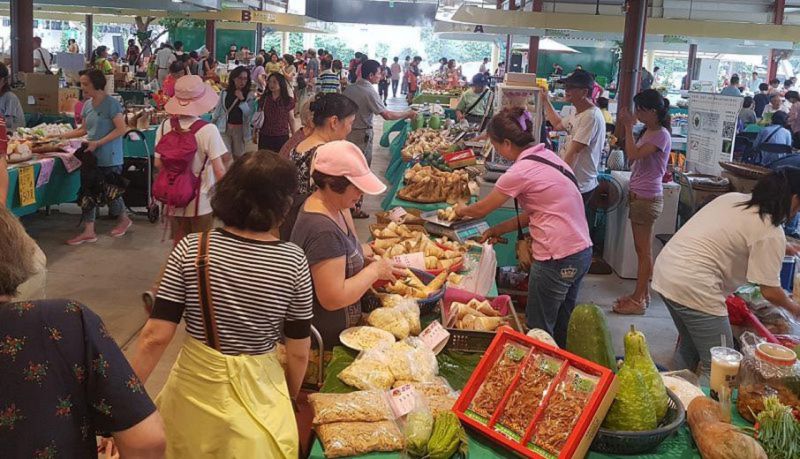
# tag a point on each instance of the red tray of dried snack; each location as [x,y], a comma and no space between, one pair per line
[535,399]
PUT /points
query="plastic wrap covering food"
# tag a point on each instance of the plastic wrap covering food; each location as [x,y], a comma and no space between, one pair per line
[361,406]
[412,360]
[437,393]
[759,377]
[399,316]
[563,410]
[537,376]
[498,380]
[341,439]
[776,319]
[370,370]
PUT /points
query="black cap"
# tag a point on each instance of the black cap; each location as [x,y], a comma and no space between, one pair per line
[578,78]
[479,80]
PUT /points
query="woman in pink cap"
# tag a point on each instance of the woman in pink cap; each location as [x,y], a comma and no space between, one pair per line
[192,99]
[342,268]
[552,208]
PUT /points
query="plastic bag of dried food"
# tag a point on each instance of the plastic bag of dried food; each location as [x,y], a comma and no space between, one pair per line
[497,381]
[370,370]
[341,439]
[408,307]
[437,393]
[538,375]
[776,319]
[563,410]
[391,320]
[361,406]
[411,360]
[760,377]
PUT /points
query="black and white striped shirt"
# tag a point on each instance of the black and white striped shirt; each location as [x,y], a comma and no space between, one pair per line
[258,289]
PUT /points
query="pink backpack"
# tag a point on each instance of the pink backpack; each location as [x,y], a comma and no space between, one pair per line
[176,185]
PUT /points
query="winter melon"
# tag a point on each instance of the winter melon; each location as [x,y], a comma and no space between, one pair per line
[418,122]
[435,122]
[588,336]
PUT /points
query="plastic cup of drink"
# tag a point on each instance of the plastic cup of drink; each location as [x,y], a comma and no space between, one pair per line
[724,368]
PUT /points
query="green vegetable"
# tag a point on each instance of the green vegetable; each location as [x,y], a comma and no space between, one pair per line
[418,122]
[418,429]
[447,438]
[588,336]
[777,430]
[435,122]
[632,408]
[637,357]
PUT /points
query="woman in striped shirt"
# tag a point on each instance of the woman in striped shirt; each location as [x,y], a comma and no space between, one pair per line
[227,394]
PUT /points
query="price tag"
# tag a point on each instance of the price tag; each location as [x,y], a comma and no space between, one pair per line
[397,215]
[402,400]
[435,336]
[27,187]
[414,260]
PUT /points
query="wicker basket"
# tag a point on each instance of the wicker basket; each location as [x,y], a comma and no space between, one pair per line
[749,171]
[622,442]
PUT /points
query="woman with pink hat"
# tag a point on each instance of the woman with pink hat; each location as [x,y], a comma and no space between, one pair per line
[342,268]
[192,99]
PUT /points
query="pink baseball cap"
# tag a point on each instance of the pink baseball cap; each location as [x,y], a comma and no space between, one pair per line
[344,159]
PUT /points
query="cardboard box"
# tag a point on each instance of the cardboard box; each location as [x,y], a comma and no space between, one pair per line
[520,79]
[39,93]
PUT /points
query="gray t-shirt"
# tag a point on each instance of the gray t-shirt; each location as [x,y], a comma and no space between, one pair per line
[322,239]
[368,101]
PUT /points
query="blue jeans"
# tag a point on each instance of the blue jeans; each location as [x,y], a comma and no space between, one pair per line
[698,332]
[792,227]
[115,207]
[553,290]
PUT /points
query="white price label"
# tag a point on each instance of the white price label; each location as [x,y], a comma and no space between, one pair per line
[435,336]
[397,215]
[414,260]
[402,400]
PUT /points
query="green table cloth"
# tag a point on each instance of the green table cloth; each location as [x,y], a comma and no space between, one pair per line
[62,187]
[35,119]
[426,98]
[753,128]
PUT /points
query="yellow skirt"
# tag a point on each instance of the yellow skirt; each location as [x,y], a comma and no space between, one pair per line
[221,406]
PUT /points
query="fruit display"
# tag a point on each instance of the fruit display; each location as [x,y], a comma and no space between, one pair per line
[424,140]
[642,399]
[588,336]
[475,315]
[426,184]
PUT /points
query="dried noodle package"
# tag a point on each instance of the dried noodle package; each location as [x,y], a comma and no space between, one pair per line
[370,370]
[361,406]
[411,360]
[341,439]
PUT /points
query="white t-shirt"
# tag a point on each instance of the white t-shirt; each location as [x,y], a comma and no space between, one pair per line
[165,57]
[396,71]
[589,128]
[210,146]
[722,247]
[43,64]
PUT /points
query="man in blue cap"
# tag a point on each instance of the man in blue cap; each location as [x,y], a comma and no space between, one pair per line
[475,103]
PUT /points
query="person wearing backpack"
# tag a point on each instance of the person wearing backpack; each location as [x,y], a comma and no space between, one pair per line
[104,127]
[189,158]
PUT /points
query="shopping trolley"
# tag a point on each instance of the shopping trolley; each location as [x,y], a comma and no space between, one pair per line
[138,170]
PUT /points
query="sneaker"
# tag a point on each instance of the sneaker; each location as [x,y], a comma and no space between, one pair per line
[81,238]
[121,230]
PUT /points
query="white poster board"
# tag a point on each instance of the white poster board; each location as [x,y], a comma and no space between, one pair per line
[712,130]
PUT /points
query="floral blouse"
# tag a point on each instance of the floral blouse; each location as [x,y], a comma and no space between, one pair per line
[63,380]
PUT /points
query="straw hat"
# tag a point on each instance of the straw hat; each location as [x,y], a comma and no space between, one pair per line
[192,97]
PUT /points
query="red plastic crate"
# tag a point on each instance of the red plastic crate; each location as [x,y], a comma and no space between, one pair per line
[579,439]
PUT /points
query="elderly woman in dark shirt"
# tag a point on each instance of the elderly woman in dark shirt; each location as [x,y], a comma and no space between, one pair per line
[63,380]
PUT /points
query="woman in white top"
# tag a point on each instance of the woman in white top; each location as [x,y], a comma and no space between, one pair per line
[735,239]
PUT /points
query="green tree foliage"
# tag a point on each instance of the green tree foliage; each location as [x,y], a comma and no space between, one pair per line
[338,47]
[273,40]
[462,51]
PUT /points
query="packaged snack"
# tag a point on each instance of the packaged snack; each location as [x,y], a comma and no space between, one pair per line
[537,376]
[411,360]
[361,406]
[370,370]
[563,410]
[438,394]
[341,439]
[498,380]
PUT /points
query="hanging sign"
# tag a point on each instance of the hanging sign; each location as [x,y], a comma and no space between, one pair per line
[712,130]
[27,186]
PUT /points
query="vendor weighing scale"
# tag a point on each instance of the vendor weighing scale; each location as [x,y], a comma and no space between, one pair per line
[460,231]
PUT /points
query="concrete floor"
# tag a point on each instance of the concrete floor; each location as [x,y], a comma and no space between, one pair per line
[110,275]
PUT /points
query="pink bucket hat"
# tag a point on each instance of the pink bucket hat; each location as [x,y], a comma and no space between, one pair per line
[344,159]
[192,97]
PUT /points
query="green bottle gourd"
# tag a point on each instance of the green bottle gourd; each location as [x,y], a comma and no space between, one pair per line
[637,357]
[588,336]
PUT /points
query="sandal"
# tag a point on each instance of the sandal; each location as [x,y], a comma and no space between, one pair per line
[629,306]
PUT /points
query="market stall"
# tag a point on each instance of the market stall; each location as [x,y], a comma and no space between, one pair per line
[55,186]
